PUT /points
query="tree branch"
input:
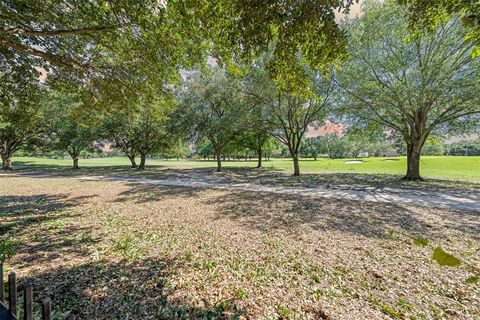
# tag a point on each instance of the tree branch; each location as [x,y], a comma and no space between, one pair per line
[45,55]
[57,33]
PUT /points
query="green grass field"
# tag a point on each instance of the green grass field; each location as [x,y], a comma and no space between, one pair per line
[456,168]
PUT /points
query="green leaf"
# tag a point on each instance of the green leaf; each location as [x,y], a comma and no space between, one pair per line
[7,250]
[421,242]
[445,259]
[472,279]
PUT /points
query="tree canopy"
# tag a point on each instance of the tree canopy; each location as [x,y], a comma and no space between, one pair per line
[409,84]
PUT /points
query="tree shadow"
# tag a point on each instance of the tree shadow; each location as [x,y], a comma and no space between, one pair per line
[268,211]
[144,193]
[343,181]
[28,166]
[23,211]
[142,289]
[39,220]
[248,174]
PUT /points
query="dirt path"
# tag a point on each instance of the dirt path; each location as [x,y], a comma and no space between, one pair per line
[439,199]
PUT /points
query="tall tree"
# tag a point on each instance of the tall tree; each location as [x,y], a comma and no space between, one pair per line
[293,105]
[20,112]
[69,130]
[151,126]
[410,84]
[119,129]
[143,128]
[85,36]
[259,128]
[332,145]
[213,107]
[311,147]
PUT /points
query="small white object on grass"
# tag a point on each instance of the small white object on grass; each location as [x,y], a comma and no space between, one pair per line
[353,161]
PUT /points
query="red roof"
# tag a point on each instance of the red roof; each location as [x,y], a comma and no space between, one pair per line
[328,127]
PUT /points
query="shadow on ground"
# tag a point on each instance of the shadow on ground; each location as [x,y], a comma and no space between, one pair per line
[39,219]
[121,290]
[350,181]
[268,211]
[144,193]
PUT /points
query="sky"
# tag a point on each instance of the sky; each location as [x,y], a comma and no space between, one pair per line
[355,11]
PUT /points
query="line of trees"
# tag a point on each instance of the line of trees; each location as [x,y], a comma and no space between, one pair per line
[120,82]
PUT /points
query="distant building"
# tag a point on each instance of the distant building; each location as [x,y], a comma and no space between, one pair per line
[328,127]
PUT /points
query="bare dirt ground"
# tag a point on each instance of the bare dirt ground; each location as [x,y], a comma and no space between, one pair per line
[109,250]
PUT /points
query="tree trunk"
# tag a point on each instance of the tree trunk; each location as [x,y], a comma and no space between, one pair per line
[6,161]
[218,154]
[132,161]
[296,165]
[414,149]
[259,151]
[143,156]
[75,163]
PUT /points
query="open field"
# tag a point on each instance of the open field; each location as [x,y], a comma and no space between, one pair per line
[109,250]
[457,168]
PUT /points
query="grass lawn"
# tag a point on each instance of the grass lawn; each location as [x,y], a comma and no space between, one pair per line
[455,168]
[109,250]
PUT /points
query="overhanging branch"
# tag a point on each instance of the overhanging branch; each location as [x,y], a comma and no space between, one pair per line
[68,63]
[57,33]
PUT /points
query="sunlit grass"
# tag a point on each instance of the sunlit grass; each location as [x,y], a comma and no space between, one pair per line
[458,168]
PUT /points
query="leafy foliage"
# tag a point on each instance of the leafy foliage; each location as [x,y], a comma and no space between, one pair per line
[20,113]
[213,108]
[7,250]
[429,14]
[410,85]
[71,130]
[292,107]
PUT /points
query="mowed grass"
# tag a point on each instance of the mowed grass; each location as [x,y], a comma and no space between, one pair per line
[109,250]
[440,167]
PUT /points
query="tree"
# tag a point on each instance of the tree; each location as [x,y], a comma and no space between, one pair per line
[119,128]
[429,14]
[259,129]
[177,149]
[69,130]
[433,147]
[464,148]
[369,140]
[332,145]
[151,127]
[204,148]
[293,105]
[411,85]
[213,108]
[246,29]
[311,147]
[143,129]
[356,142]
[380,147]
[91,37]
[20,113]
